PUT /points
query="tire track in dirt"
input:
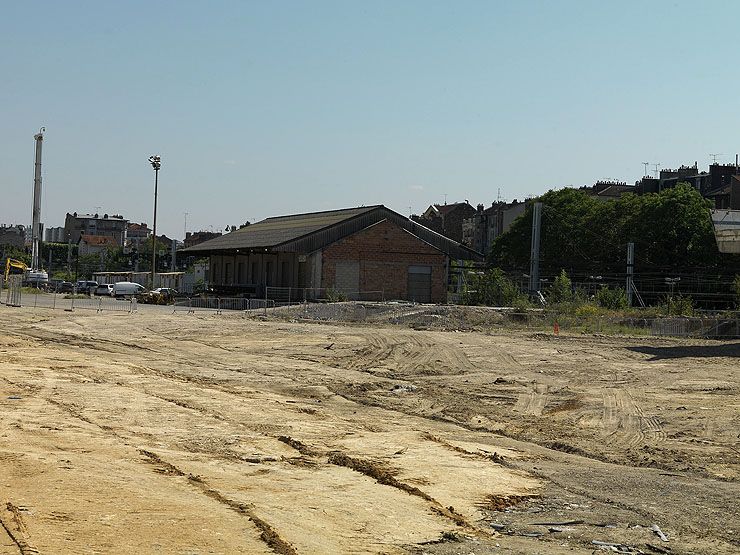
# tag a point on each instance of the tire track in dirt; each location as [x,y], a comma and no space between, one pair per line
[381,475]
[625,423]
[534,401]
[12,522]
[410,353]
[337,458]
[267,532]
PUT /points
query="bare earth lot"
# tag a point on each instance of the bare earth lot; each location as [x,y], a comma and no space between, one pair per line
[158,433]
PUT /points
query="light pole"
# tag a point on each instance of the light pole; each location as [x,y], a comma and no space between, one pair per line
[156,164]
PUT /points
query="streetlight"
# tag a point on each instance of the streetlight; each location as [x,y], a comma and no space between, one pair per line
[156,164]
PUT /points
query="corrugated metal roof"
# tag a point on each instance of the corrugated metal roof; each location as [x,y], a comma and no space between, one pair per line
[277,230]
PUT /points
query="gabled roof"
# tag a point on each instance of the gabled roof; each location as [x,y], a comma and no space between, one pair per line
[306,233]
[275,231]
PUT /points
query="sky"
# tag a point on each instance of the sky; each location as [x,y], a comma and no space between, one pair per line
[261,109]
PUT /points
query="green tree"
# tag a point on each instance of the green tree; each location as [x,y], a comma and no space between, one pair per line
[561,290]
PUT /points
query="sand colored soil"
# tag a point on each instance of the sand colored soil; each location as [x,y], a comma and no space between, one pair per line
[160,433]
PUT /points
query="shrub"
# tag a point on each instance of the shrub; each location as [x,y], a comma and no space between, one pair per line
[677,305]
[561,290]
[614,299]
[493,288]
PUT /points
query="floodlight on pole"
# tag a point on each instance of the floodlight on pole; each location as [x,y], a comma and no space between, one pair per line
[156,163]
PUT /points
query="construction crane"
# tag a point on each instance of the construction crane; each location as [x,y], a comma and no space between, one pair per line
[13,263]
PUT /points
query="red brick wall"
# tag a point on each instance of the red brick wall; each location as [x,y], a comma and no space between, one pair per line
[385,252]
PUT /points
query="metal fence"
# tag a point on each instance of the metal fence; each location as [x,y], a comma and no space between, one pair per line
[296,295]
[219,304]
[38,299]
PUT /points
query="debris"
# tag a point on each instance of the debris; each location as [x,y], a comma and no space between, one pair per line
[657,548]
[15,397]
[403,388]
[497,526]
[655,528]
[555,529]
[329,346]
[564,523]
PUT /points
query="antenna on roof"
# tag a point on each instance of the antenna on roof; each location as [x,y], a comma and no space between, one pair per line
[445,195]
[714,157]
[646,164]
[656,169]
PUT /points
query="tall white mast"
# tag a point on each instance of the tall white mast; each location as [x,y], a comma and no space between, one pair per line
[36,229]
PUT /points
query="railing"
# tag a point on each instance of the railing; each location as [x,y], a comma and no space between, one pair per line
[296,295]
[219,304]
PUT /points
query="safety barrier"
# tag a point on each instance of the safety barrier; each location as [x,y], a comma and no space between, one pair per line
[219,304]
[297,295]
[59,301]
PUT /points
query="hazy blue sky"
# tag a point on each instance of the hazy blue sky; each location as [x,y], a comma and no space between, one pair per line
[268,108]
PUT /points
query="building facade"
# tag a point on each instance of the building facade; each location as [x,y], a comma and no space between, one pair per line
[365,252]
[446,219]
[13,235]
[55,235]
[76,225]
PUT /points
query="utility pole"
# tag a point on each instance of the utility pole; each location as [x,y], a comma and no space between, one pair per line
[156,164]
[630,271]
[534,260]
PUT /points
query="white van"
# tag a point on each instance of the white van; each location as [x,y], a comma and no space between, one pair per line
[127,289]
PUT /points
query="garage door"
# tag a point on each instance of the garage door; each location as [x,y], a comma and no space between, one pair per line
[347,278]
[420,284]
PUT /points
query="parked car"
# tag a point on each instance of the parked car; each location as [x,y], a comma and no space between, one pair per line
[104,290]
[86,287]
[65,287]
[127,289]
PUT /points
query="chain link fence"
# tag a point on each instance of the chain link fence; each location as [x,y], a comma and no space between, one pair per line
[442,317]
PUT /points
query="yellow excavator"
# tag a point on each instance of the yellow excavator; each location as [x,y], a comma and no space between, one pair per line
[12,263]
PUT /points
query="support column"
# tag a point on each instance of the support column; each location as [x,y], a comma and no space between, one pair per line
[534,260]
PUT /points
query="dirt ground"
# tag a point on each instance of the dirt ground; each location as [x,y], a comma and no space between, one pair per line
[159,433]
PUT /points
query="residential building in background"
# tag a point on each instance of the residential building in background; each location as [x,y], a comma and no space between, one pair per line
[716,183]
[13,235]
[55,235]
[197,237]
[480,229]
[138,232]
[608,190]
[446,219]
[95,244]
[76,225]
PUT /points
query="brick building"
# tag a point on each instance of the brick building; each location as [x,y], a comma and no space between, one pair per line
[198,237]
[76,225]
[95,244]
[446,219]
[351,251]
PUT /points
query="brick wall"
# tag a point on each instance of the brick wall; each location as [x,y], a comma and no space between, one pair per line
[385,252]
